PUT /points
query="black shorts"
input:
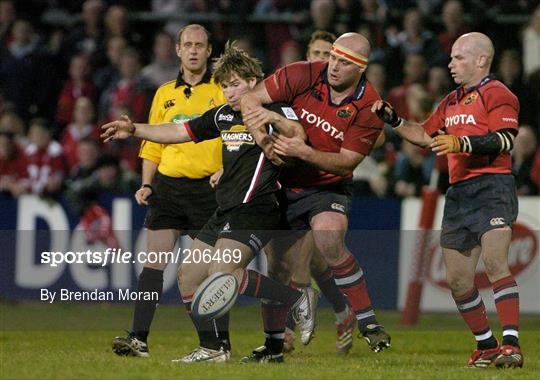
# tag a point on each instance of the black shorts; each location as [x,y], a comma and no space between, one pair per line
[252,224]
[180,203]
[476,206]
[304,205]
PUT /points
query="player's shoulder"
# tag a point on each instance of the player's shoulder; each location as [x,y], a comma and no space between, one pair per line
[495,90]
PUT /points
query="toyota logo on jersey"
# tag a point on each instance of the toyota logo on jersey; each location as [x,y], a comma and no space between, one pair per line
[321,123]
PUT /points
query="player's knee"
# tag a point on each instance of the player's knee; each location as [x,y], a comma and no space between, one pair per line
[459,283]
[496,268]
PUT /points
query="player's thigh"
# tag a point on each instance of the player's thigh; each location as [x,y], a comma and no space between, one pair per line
[193,270]
[460,268]
[495,245]
[161,241]
[282,253]
[230,255]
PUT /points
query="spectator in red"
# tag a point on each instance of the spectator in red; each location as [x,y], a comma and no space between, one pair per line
[82,126]
[12,165]
[454,25]
[44,159]
[128,94]
[415,70]
[77,86]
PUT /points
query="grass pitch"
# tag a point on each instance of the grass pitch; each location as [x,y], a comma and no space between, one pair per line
[73,341]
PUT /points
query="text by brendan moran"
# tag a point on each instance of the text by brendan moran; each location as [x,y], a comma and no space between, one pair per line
[97,295]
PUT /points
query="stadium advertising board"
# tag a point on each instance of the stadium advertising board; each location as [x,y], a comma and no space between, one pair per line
[524,260]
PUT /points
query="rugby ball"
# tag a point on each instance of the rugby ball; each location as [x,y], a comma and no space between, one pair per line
[215,296]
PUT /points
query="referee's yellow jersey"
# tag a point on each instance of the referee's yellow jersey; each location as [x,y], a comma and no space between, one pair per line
[177,102]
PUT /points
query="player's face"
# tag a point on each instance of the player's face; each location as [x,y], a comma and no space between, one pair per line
[193,50]
[463,65]
[235,88]
[342,74]
[319,50]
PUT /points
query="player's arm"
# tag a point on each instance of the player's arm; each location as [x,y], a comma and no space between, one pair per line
[164,133]
[410,131]
[255,98]
[491,143]
[257,119]
[342,163]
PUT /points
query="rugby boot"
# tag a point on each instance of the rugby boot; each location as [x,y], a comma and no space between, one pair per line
[130,346]
[262,355]
[344,340]
[206,355]
[376,338]
[509,357]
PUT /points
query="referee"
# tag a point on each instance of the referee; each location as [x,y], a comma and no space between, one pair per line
[175,177]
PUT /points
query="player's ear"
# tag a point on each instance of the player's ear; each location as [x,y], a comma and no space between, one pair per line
[209,51]
[482,61]
[178,48]
[252,82]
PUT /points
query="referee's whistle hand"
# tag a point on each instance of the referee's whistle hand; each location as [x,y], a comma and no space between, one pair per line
[141,195]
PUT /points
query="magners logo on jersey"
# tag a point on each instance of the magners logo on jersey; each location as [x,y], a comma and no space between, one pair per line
[459,119]
[235,137]
[319,122]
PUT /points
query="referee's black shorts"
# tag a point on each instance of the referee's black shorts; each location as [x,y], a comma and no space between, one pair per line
[180,203]
[475,206]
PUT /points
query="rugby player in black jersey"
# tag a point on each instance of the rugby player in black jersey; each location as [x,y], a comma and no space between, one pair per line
[248,213]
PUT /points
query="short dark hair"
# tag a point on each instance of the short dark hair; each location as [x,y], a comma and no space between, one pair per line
[236,61]
[321,35]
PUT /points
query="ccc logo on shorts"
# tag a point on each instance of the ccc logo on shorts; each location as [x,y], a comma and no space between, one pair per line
[338,207]
[497,221]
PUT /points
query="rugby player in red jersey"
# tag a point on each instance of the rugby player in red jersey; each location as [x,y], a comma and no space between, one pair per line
[248,212]
[333,101]
[478,123]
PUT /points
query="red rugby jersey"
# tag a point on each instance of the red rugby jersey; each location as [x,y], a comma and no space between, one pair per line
[350,125]
[480,110]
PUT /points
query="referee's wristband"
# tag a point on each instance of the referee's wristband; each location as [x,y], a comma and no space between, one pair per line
[148,186]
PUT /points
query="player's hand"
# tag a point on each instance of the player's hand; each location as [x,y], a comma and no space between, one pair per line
[444,144]
[142,195]
[290,146]
[258,118]
[118,129]
[214,178]
[386,113]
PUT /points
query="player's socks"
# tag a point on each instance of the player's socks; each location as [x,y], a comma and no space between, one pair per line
[327,284]
[274,317]
[350,280]
[472,309]
[150,280]
[506,295]
[214,333]
[256,285]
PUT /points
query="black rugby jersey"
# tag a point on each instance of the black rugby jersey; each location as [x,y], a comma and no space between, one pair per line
[247,173]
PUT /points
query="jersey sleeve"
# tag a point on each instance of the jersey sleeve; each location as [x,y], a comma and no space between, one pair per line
[151,150]
[283,109]
[435,121]
[204,127]
[289,81]
[361,136]
[503,108]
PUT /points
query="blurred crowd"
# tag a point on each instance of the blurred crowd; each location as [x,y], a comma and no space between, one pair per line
[60,82]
